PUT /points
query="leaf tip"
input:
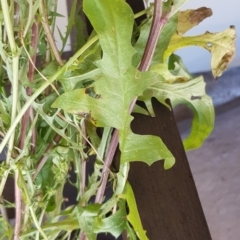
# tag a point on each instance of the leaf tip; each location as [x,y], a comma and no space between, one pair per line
[169,162]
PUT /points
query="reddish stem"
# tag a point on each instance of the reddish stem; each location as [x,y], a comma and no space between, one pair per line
[24,125]
[156,27]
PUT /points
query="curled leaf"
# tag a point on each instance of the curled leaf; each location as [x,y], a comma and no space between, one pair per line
[221,45]
[192,94]
[191,18]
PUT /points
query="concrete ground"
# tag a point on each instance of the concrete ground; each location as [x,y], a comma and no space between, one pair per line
[216,170]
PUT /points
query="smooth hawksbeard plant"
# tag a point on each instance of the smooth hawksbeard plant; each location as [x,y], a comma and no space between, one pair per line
[56,114]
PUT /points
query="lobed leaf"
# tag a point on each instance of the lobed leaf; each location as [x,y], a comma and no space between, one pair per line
[192,94]
[119,85]
[115,224]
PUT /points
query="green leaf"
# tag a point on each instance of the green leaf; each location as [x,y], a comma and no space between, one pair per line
[90,210]
[70,24]
[130,232]
[6,232]
[192,94]
[151,149]
[190,18]
[166,34]
[118,86]
[141,110]
[176,6]
[177,67]
[168,76]
[86,217]
[81,32]
[50,69]
[4,114]
[133,216]
[45,177]
[115,224]
[221,45]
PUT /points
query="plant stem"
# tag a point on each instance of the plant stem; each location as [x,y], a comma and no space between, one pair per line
[15,68]
[18,207]
[28,200]
[156,27]
[15,62]
[107,163]
[29,112]
[30,18]
[18,200]
[48,33]
[8,26]
[43,160]
[83,160]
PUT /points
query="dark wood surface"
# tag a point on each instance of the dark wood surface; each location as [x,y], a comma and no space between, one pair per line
[167,200]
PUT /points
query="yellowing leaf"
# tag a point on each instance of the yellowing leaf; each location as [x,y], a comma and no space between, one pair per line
[191,18]
[221,45]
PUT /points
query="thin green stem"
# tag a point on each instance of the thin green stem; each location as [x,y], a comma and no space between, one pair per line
[14,81]
[8,25]
[33,215]
[30,18]
[141,13]
[55,3]
[15,63]
[3,181]
[48,33]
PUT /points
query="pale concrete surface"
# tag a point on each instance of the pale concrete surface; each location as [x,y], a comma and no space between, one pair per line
[216,170]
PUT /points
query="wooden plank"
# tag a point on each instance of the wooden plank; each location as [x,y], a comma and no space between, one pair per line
[167,200]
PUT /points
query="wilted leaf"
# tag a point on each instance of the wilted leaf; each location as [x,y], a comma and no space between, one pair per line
[221,45]
[192,94]
[118,86]
[191,18]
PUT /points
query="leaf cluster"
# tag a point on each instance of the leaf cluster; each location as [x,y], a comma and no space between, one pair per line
[59,115]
